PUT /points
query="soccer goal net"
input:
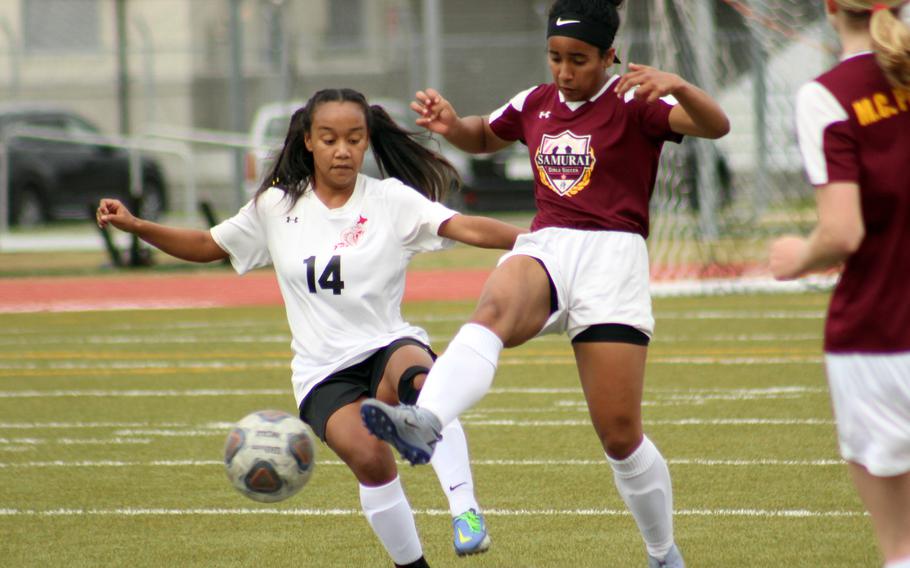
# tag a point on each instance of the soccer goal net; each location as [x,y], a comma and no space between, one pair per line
[716,205]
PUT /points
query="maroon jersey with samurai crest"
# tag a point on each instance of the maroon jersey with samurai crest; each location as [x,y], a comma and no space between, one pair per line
[855,127]
[594,166]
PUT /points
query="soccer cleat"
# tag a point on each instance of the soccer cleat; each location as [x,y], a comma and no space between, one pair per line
[673,559]
[411,430]
[470,533]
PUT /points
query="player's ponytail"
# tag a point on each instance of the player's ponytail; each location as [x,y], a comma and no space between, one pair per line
[294,166]
[401,155]
[890,36]
[891,42]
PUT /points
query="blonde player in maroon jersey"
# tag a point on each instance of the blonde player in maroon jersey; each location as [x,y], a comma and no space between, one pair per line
[594,140]
[854,132]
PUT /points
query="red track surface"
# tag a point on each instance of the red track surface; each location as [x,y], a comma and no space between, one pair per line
[198,290]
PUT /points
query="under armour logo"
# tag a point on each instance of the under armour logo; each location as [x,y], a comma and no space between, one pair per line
[288,220]
[544,114]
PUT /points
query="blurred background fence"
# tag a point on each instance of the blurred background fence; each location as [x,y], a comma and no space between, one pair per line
[194,73]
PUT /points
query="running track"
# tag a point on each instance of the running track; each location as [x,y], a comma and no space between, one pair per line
[197,290]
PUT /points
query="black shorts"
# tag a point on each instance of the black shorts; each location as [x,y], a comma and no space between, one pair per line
[343,387]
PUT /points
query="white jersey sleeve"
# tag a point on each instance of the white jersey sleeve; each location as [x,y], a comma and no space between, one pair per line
[816,111]
[243,236]
[417,219]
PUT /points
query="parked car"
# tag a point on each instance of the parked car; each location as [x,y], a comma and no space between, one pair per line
[502,181]
[58,179]
[270,124]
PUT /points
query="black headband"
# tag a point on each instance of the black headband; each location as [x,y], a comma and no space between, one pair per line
[584,29]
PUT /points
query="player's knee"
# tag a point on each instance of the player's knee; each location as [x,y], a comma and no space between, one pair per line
[407,388]
[620,438]
[372,463]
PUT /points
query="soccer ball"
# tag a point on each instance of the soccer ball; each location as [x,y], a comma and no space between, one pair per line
[269,455]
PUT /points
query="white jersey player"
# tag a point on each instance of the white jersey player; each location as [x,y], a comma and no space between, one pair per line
[340,243]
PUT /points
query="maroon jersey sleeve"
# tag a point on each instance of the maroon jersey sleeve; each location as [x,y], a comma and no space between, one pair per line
[506,120]
[654,118]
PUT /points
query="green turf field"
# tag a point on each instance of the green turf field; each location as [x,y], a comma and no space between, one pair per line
[112,426]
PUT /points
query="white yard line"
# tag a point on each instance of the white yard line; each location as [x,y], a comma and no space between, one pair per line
[263,511]
[701,462]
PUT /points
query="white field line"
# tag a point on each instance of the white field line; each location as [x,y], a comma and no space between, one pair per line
[142,393]
[501,463]
[73,441]
[740,314]
[661,394]
[170,367]
[144,340]
[244,326]
[264,511]
[174,339]
[143,365]
[104,305]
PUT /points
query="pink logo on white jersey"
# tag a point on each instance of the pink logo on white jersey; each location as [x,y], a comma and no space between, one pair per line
[565,162]
[351,236]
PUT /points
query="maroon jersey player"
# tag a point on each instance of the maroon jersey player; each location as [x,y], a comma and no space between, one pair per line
[594,139]
[854,130]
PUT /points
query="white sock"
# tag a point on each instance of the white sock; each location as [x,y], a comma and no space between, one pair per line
[463,374]
[389,514]
[453,469]
[901,563]
[643,481]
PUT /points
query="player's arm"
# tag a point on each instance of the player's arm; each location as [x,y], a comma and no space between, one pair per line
[186,244]
[697,114]
[480,231]
[470,133]
[838,234]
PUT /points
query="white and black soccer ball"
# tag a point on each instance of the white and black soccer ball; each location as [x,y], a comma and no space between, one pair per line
[269,455]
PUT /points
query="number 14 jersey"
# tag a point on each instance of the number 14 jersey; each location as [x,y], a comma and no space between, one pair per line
[341,271]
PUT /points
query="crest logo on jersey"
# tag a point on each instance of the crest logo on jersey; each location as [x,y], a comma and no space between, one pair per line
[351,236]
[565,162]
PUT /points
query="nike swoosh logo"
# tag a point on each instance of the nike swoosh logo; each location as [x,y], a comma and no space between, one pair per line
[462,538]
[409,423]
[456,486]
[561,22]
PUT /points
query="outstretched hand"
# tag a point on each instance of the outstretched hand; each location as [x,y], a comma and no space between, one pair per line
[651,83]
[436,114]
[113,212]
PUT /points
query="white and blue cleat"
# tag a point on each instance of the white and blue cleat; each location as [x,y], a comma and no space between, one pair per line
[411,430]
[470,533]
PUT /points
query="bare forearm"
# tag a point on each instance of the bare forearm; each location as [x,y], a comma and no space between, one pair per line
[705,117]
[481,232]
[825,248]
[186,244]
[469,134]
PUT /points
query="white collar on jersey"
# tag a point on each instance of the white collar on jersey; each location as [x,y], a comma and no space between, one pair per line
[847,56]
[575,105]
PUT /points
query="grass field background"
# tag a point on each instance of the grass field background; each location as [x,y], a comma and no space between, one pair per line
[112,426]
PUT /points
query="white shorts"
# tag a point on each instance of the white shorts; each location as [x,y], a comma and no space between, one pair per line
[871,396]
[600,277]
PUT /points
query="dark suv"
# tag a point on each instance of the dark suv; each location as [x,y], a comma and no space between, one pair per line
[56,179]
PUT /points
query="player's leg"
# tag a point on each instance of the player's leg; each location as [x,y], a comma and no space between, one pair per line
[332,409]
[404,373]
[871,399]
[382,497]
[513,307]
[612,378]
[888,501]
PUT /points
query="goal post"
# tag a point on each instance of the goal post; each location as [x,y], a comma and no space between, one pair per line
[717,204]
